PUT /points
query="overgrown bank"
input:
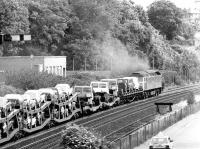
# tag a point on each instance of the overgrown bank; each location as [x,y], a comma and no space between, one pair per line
[27,79]
[107,34]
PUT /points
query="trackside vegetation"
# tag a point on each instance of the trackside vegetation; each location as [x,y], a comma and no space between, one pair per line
[79,137]
[28,79]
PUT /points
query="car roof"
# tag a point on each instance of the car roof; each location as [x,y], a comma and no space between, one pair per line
[82,86]
[161,135]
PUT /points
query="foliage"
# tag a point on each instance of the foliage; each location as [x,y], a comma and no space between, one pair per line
[166,17]
[191,99]
[171,77]
[74,136]
[104,34]
[27,79]
[7,89]
[13,20]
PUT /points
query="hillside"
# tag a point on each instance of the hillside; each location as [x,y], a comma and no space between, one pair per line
[106,34]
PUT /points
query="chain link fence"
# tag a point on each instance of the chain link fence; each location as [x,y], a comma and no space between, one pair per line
[145,132]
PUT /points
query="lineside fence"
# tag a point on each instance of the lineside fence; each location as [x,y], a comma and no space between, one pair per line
[145,132]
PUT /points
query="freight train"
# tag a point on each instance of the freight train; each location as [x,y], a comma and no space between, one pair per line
[37,109]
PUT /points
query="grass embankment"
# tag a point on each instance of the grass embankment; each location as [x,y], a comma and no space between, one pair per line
[7,89]
[33,80]
[26,79]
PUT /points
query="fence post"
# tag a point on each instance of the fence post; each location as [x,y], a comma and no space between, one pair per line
[137,137]
[151,129]
[130,141]
[145,133]
[181,113]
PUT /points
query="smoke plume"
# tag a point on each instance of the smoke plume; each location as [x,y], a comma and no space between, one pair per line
[121,62]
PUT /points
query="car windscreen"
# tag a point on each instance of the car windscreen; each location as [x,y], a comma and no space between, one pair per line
[159,140]
[87,89]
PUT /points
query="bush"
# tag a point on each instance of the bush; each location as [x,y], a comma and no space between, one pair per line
[30,79]
[78,137]
[191,99]
[178,80]
[34,80]
[6,89]
[171,77]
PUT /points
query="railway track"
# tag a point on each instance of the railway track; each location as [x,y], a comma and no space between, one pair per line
[50,139]
[124,127]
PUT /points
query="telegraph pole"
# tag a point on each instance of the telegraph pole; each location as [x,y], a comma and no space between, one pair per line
[1,37]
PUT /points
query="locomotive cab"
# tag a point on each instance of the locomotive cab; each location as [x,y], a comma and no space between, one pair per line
[133,83]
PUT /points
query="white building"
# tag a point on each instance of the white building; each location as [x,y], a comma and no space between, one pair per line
[51,64]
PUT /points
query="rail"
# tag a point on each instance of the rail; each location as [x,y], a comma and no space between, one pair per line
[45,135]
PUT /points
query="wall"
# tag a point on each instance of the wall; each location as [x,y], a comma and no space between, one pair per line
[19,62]
[107,74]
[39,63]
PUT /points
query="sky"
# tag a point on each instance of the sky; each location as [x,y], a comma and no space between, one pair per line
[179,3]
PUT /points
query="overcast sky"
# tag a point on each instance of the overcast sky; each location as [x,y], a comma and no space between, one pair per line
[178,3]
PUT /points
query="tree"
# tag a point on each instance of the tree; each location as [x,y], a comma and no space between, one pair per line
[13,20]
[48,24]
[89,21]
[165,17]
[6,14]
